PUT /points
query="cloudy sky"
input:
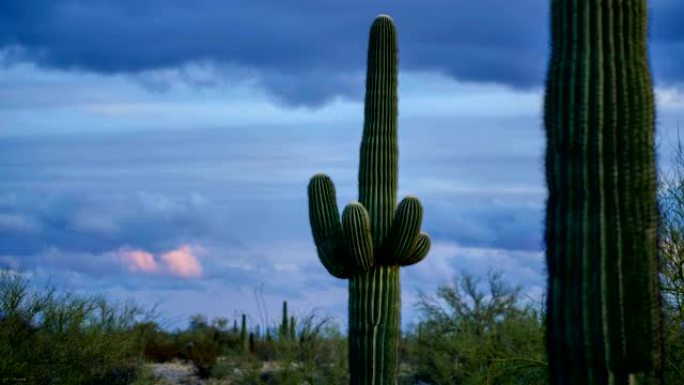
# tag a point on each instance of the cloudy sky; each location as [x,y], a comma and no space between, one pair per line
[160,150]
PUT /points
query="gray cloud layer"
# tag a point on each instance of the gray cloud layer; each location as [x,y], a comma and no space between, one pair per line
[303,52]
[71,203]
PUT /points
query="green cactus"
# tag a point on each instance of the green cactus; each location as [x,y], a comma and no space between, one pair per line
[374,237]
[292,333]
[251,347]
[603,317]
[284,329]
[243,334]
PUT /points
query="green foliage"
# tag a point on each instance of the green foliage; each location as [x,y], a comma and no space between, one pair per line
[202,343]
[158,345]
[203,352]
[674,351]
[671,247]
[479,335]
[374,237]
[317,357]
[52,338]
[603,304]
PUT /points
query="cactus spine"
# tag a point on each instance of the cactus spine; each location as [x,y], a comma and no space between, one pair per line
[603,302]
[375,236]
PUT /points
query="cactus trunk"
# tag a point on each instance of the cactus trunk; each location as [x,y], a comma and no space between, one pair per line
[603,301]
[378,166]
[375,236]
[374,329]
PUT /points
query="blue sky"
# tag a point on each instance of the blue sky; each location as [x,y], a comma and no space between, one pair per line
[160,151]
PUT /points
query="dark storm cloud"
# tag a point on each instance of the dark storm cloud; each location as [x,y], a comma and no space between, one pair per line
[667,41]
[299,50]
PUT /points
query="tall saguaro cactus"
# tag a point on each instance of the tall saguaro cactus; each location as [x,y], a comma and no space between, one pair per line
[603,324]
[375,236]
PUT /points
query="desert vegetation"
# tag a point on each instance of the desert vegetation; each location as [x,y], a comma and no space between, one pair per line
[469,332]
[671,230]
[49,337]
[473,330]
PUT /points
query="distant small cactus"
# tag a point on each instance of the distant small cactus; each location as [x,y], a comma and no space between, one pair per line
[243,334]
[284,329]
[252,343]
[293,329]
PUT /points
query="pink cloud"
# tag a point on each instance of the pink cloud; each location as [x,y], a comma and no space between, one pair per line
[139,260]
[182,262]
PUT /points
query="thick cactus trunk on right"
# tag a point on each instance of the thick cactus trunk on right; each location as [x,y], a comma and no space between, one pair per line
[603,315]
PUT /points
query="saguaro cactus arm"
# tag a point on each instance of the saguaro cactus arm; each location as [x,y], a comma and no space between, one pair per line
[403,236]
[326,227]
[421,250]
[357,235]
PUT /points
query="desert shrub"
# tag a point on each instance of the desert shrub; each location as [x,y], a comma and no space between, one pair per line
[671,254]
[322,351]
[317,355]
[200,344]
[674,350]
[267,349]
[157,344]
[48,337]
[469,335]
[203,353]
